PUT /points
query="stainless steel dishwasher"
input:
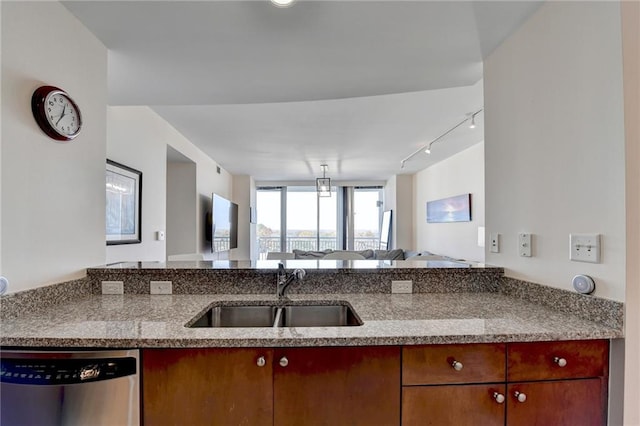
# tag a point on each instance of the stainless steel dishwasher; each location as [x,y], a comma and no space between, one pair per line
[79,388]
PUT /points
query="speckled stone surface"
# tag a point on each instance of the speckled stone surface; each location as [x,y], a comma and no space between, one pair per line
[139,321]
[452,303]
[323,276]
[16,304]
[592,308]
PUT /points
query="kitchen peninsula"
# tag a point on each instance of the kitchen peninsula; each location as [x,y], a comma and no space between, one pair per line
[502,333]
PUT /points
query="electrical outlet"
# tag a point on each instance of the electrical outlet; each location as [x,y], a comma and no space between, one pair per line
[161,287]
[402,287]
[494,242]
[112,287]
[584,247]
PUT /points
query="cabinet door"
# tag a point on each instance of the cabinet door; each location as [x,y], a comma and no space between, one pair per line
[337,386]
[559,403]
[453,405]
[207,386]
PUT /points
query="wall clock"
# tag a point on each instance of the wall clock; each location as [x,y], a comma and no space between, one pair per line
[56,113]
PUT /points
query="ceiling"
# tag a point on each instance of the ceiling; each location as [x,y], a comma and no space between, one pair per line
[276,92]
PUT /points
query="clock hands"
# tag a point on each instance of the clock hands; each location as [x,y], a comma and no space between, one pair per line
[61,115]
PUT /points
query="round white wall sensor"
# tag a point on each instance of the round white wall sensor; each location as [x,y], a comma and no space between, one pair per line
[583,284]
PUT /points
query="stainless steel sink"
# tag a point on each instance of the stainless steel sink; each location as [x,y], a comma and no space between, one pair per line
[237,316]
[271,315]
[319,316]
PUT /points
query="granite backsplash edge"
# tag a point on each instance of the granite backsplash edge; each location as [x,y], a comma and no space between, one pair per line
[592,308]
[14,305]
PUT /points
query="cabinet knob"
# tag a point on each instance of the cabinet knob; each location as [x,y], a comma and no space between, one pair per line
[521,397]
[498,397]
[560,361]
[284,361]
[261,362]
[457,365]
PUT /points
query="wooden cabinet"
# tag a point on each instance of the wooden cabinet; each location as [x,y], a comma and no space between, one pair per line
[544,383]
[559,383]
[337,386]
[457,405]
[453,384]
[356,386]
[514,384]
[558,402]
[207,386]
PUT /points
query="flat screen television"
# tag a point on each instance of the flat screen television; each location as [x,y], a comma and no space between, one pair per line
[222,226]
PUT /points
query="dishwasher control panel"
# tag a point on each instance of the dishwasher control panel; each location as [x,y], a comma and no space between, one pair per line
[64,371]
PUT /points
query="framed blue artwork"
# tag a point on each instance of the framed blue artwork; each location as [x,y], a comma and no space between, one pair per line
[452,209]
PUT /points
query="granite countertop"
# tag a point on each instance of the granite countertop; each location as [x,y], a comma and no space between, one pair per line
[145,321]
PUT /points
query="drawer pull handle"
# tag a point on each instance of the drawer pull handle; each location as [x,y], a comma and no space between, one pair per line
[261,362]
[560,361]
[498,397]
[457,365]
[520,396]
[284,361]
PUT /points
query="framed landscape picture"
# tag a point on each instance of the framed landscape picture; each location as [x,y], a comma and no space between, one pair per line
[124,202]
[452,209]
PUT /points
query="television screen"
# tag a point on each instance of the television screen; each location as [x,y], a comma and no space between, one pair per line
[224,224]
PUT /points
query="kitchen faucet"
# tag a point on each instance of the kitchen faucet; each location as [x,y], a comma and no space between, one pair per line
[284,280]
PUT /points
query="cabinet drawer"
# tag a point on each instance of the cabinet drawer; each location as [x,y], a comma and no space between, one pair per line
[557,360]
[459,405]
[435,364]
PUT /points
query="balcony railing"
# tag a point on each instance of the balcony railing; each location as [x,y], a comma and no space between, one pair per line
[270,244]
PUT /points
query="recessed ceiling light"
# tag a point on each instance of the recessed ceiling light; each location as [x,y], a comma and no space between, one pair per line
[282,3]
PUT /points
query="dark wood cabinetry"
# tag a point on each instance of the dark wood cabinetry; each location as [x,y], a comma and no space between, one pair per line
[458,405]
[558,402]
[544,383]
[559,383]
[337,386]
[310,386]
[453,384]
[519,384]
[207,386]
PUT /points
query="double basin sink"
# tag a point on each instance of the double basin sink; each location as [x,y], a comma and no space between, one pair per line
[272,314]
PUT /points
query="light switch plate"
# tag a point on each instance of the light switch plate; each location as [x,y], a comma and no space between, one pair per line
[584,247]
[112,287]
[161,287]
[494,242]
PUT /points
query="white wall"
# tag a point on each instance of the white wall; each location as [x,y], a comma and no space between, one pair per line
[461,174]
[139,137]
[208,181]
[136,138]
[52,193]
[398,197]
[631,53]
[182,201]
[554,144]
[243,194]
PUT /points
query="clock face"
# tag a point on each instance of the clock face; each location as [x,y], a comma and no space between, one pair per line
[62,114]
[56,113]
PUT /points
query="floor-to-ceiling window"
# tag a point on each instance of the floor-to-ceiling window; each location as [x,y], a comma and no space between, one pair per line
[367,215]
[269,217]
[295,217]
